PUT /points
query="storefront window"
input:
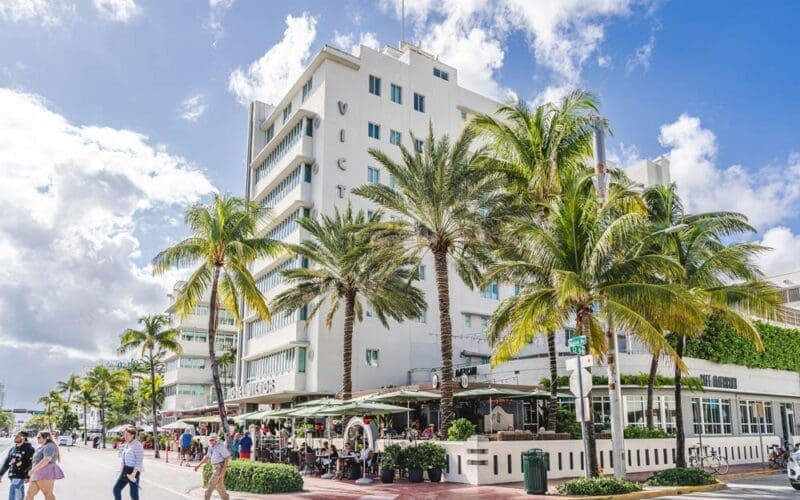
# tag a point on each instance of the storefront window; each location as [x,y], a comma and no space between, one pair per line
[601,409]
[711,416]
[663,411]
[754,416]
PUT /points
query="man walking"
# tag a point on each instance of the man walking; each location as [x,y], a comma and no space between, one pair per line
[18,464]
[186,445]
[245,445]
[219,456]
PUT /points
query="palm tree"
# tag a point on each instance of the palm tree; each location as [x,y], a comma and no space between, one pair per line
[85,398]
[105,382]
[534,150]
[582,256]
[441,195]
[352,262]
[153,390]
[52,402]
[721,275]
[226,362]
[154,340]
[225,241]
[70,386]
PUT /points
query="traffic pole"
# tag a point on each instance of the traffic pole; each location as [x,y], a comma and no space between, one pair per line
[582,415]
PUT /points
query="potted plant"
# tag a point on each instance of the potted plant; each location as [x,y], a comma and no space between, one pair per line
[389,461]
[416,461]
[435,460]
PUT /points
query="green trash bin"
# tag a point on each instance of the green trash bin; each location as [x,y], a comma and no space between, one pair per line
[534,471]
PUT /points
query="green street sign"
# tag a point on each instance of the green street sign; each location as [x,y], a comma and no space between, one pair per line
[576,349]
[37,412]
[577,341]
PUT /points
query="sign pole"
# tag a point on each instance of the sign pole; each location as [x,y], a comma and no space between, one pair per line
[615,400]
[584,434]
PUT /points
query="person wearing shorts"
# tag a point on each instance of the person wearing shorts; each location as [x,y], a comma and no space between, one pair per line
[186,445]
[45,471]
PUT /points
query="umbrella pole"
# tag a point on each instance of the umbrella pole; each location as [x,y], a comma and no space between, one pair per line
[490,415]
[408,415]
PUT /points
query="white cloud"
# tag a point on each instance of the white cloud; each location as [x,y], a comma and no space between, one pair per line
[350,42]
[121,11]
[785,254]
[268,78]
[604,61]
[767,195]
[47,12]
[71,198]
[193,107]
[642,56]
[217,9]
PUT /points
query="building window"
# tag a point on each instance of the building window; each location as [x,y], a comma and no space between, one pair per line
[568,334]
[374,85]
[392,182]
[287,112]
[441,74]
[419,102]
[491,291]
[194,337]
[224,342]
[397,94]
[309,127]
[270,132]
[419,145]
[395,137]
[468,320]
[517,289]
[423,317]
[663,411]
[601,406]
[374,130]
[307,172]
[192,389]
[270,365]
[484,324]
[463,116]
[197,363]
[306,90]
[711,415]
[421,273]
[301,360]
[753,416]
[226,318]
[372,357]
[373,175]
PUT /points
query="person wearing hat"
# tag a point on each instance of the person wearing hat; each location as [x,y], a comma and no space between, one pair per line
[219,456]
[17,463]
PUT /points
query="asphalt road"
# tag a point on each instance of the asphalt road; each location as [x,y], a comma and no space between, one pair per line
[91,474]
[775,486]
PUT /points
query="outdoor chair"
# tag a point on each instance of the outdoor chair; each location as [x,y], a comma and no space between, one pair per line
[309,464]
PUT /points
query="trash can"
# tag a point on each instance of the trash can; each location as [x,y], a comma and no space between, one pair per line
[534,471]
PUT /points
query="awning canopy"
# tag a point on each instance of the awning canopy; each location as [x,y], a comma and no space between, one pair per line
[211,419]
[405,396]
[491,392]
[362,408]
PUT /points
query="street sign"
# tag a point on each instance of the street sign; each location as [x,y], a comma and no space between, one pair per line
[575,388]
[37,412]
[580,340]
[577,349]
[586,362]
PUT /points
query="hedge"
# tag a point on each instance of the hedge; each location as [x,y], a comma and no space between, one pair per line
[598,486]
[640,379]
[638,432]
[680,476]
[258,477]
[460,429]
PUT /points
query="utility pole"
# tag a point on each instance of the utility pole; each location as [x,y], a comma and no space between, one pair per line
[402,23]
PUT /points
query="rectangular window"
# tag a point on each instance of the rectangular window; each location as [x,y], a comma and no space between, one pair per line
[491,291]
[270,132]
[194,337]
[397,94]
[601,406]
[373,175]
[753,416]
[307,172]
[463,116]
[419,145]
[421,273]
[517,289]
[198,363]
[287,112]
[568,334]
[395,137]
[392,182]
[440,74]
[309,127]
[423,317]
[467,320]
[372,357]
[419,102]
[711,416]
[484,324]
[306,90]
[374,130]
[374,85]
[301,360]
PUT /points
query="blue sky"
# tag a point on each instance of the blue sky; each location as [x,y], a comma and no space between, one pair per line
[114,114]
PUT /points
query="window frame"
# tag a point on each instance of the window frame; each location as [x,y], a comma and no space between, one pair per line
[419,102]
[396,91]
[374,86]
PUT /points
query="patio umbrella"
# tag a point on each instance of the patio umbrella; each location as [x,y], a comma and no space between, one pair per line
[408,397]
[498,392]
[361,408]
[178,424]
[322,401]
[253,415]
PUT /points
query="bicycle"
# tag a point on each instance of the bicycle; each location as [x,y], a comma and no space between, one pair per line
[713,460]
[778,457]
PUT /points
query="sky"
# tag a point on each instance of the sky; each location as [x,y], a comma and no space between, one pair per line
[117,114]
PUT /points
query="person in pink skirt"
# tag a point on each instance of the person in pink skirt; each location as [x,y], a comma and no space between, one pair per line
[45,471]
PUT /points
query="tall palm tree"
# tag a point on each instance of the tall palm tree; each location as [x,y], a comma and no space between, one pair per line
[534,149]
[52,402]
[154,340]
[85,398]
[153,389]
[70,386]
[226,240]
[226,362]
[722,275]
[441,195]
[351,262]
[582,256]
[105,382]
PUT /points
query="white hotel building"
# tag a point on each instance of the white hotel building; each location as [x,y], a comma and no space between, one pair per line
[308,151]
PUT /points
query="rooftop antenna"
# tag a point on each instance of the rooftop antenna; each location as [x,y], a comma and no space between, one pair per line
[402,22]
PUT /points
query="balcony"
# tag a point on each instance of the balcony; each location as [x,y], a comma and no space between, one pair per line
[292,333]
[291,148]
[261,265]
[298,197]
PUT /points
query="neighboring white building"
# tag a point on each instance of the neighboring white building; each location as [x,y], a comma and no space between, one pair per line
[188,384]
[650,172]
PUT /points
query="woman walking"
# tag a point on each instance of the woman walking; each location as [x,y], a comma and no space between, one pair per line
[45,471]
[132,454]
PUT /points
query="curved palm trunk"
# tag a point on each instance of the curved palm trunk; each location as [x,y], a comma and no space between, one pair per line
[446,327]
[156,444]
[680,435]
[213,314]
[651,383]
[347,348]
[552,407]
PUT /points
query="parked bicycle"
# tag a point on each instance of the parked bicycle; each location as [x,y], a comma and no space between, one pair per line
[706,457]
[778,457]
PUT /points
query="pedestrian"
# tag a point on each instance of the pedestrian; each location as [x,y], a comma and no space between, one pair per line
[219,457]
[245,445]
[186,445]
[237,438]
[132,454]
[18,463]
[45,470]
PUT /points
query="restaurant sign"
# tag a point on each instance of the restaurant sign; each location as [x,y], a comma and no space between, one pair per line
[255,388]
[718,381]
[467,370]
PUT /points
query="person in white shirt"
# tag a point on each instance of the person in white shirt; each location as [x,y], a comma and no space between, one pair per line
[219,456]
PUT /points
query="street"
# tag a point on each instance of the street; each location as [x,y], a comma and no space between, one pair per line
[775,486]
[90,475]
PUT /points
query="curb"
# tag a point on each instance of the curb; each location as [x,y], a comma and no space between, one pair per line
[760,473]
[669,491]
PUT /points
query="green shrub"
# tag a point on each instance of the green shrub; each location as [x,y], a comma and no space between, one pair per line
[680,476]
[598,486]
[390,457]
[415,457]
[434,454]
[460,429]
[637,432]
[566,422]
[258,477]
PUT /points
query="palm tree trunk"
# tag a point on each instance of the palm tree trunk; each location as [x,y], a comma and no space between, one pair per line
[446,333]
[552,407]
[103,420]
[651,383]
[213,314]
[347,348]
[85,429]
[680,435]
[153,404]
